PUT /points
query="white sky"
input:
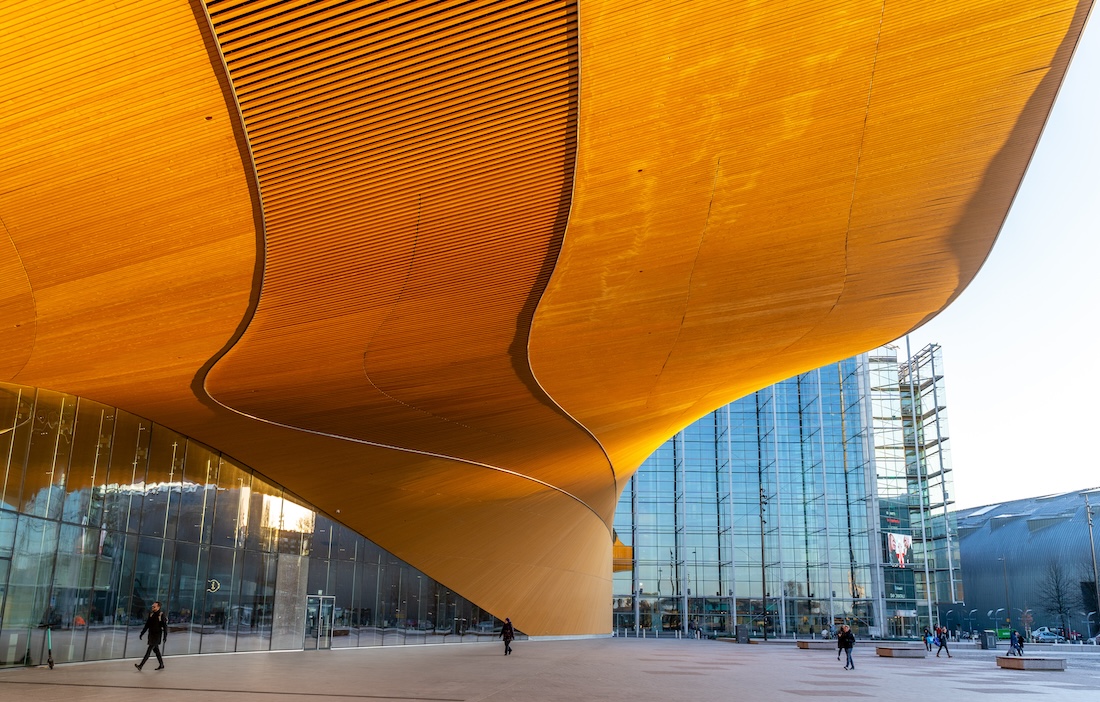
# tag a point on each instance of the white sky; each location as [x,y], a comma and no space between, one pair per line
[1019,345]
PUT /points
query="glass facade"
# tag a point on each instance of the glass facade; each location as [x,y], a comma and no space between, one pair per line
[766,514]
[103,512]
[914,489]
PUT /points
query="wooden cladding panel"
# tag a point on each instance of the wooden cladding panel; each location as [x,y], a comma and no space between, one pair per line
[415,179]
[125,199]
[837,175]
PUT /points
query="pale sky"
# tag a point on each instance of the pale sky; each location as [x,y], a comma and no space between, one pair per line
[1019,345]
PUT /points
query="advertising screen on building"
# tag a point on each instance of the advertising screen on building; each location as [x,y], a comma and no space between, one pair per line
[900,546]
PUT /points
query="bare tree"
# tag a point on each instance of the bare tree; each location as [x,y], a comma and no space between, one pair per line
[1058,594]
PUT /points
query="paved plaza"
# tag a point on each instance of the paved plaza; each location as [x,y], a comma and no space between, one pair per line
[556,671]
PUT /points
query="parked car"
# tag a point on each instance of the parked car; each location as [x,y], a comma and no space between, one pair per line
[1042,630]
[1048,637]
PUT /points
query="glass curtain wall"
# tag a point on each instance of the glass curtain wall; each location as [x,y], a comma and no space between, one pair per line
[919,532]
[103,512]
[759,515]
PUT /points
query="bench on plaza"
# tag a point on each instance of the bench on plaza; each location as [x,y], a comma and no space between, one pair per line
[900,651]
[816,644]
[1031,663]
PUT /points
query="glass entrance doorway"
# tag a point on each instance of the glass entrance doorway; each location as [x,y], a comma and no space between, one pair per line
[320,610]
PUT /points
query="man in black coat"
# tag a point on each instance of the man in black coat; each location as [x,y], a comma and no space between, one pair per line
[508,633]
[845,641]
[157,626]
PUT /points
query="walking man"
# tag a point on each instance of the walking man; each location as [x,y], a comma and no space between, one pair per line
[846,641]
[508,634]
[157,626]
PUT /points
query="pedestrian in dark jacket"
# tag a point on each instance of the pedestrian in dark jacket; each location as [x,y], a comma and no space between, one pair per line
[157,628]
[1012,642]
[846,641]
[508,633]
[941,637]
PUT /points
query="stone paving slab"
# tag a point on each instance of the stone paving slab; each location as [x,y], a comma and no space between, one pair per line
[629,670]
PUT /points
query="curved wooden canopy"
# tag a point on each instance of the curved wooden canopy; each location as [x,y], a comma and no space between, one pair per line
[451,270]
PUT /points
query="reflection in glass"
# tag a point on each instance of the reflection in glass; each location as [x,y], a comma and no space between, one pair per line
[102,513]
[762,514]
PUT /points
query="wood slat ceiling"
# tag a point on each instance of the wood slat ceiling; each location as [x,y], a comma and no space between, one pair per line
[415,161]
[450,270]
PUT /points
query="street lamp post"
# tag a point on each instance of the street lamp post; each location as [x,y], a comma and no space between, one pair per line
[1092,547]
[1008,606]
[419,609]
[994,616]
[439,615]
[1025,617]
[698,588]
[763,563]
[970,621]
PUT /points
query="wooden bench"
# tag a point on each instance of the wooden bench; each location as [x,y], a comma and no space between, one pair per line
[900,651]
[817,645]
[1031,663]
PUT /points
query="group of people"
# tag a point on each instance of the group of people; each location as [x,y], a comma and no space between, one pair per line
[157,628]
[937,637]
[846,641]
[1016,644]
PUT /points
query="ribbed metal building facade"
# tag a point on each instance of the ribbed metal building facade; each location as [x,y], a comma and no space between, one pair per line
[1031,558]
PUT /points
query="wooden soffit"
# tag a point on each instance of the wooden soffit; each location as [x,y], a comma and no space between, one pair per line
[451,270]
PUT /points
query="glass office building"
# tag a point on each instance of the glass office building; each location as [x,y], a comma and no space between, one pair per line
[103,512]
[921,571]
[781,513]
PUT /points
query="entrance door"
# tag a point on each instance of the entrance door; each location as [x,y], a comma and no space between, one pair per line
[320,611]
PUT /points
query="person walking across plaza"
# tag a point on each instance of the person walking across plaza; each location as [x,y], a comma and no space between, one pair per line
[846,641]
[941,641]
[1016,643]
[928,639]
[157,627]
[508,633]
